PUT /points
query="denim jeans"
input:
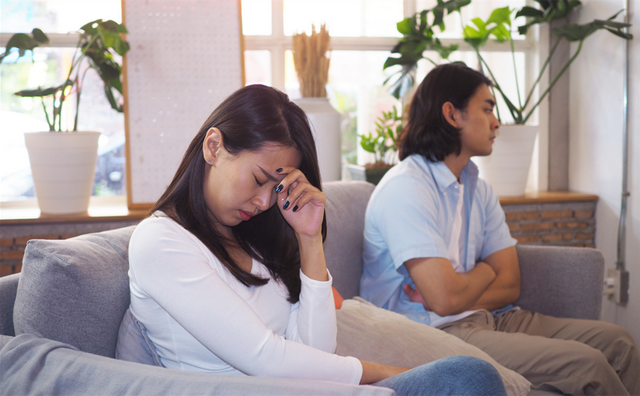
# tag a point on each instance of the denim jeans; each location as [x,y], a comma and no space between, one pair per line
[455,375]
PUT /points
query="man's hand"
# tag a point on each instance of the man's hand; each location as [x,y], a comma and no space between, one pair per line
[415,296]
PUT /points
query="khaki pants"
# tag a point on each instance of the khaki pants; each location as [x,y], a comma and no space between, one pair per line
[573,356]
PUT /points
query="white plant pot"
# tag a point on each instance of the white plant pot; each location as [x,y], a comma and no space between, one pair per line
[507,168]
[325,125]
[63,166]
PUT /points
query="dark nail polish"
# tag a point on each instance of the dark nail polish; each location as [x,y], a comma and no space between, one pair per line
[295,208]
[280,187]
[279,170]
[286,205]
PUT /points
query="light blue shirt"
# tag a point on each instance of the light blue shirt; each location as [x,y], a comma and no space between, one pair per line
[410,215]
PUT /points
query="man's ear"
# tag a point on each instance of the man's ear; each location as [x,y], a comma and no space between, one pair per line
[211,145]
[450,113]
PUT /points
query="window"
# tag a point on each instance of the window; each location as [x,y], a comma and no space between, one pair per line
[362,32]
[47,66]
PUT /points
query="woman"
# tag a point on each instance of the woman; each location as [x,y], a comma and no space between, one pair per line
[228,273]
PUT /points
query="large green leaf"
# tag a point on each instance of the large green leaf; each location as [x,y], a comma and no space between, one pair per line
[42,92]
[23,43]
[574,32]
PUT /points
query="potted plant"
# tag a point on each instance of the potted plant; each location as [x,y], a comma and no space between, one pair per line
[508,166]
[382,144]
[63,160]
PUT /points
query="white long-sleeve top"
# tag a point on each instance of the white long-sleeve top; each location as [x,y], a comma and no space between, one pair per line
[200,317]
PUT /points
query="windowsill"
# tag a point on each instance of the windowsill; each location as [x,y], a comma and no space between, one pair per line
[115,208]
[100,209]
[535,197]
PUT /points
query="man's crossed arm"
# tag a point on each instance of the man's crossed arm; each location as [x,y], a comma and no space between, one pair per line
[491,284]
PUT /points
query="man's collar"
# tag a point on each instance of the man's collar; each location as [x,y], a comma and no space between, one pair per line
[443,176]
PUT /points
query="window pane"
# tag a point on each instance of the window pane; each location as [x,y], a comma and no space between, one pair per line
[355,90]
[256,17]
[21,115]
[257,67]
[477,9]
[349,18]
[55,16]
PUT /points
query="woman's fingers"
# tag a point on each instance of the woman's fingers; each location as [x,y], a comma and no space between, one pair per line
[295,191]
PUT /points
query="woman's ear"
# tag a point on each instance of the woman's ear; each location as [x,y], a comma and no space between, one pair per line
[211,145]
[450,113]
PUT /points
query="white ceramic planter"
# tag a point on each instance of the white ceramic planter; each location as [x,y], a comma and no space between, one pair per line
[325,125]
[63,166]
[507,168]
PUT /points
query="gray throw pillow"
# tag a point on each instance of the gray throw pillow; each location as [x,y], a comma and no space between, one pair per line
[378,335]
[75,291]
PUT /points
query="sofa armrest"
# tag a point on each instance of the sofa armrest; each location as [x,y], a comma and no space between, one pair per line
[561,281]
[30,365]
[8,289]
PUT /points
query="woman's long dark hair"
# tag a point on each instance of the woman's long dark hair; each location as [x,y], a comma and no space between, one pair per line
[427,131]
[249,119]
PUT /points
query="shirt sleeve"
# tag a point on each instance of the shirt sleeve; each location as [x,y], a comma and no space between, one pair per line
[496,231]
[172,269]
[405,213]
[313,318]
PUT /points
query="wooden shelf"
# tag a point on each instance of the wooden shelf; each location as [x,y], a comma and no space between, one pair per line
[120,211]
[548,197]
[96,213]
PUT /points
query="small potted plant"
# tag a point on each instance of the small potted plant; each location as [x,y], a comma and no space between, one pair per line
[63,160]
[382,144]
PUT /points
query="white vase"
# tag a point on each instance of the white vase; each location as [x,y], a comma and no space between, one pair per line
[507,168]
[325,126]
[63,166]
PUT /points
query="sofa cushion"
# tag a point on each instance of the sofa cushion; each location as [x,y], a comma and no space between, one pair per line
[345,207]
[378,335]
[8,289]
[134,344]
[75,291]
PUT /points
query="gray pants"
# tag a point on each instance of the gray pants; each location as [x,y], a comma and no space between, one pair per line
[573,356]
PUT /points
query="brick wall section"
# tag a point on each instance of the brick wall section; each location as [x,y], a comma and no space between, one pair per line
[559,224]
[13,238]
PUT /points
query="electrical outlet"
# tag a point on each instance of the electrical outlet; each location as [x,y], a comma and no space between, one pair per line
[616,285]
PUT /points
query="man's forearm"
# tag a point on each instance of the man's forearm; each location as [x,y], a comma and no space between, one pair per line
[447,292]
[504,290]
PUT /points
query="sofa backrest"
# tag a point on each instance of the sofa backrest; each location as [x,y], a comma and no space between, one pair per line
[77,290]
[345,209]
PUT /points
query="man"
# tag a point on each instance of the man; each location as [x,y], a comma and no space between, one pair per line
[438,250]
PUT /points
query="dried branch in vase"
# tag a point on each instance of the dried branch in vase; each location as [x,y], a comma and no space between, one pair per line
[311,60]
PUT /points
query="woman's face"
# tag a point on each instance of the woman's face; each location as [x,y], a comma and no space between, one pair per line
[238,187]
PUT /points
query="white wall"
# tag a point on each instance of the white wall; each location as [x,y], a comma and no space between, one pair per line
[595,136]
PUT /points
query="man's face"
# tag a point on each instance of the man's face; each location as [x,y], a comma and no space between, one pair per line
[478,124]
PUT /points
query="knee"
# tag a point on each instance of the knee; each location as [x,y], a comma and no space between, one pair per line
[471,367]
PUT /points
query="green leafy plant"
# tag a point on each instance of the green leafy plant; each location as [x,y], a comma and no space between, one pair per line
[382,141]
[23,43]
[419,36]
[499,27]
[94,51]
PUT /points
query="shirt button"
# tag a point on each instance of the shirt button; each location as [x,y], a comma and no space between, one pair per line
[422,318]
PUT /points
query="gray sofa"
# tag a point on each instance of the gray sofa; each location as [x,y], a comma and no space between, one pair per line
[59,318]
